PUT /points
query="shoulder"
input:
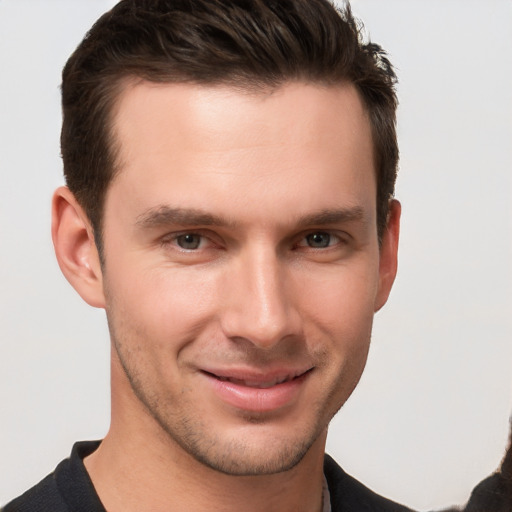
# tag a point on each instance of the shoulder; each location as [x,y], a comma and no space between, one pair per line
[347,494]
[67,488]
[42,497]
[494,493]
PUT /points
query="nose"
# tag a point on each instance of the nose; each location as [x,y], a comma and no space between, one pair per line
[260,305]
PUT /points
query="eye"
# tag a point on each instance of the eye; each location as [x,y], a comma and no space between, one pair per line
[191,247]
[189,241]
[320,239]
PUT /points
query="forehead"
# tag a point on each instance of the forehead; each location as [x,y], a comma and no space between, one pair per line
[307,109]
[183,142]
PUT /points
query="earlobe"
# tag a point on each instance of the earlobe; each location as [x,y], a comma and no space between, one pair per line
[75,248]
[388,254]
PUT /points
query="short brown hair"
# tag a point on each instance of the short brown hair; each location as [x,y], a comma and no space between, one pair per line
[245,43]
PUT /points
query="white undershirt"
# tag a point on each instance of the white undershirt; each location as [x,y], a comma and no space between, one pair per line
[326,497]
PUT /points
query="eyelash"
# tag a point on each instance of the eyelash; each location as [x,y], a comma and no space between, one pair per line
[308,237]
[173,239]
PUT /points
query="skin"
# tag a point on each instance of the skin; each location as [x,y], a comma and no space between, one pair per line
[240,243]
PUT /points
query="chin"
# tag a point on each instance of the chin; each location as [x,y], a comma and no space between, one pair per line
[239,459]
[255,449]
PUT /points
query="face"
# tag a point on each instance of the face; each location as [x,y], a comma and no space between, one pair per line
[242,268]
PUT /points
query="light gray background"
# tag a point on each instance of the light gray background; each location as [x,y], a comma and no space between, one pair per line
[430,417]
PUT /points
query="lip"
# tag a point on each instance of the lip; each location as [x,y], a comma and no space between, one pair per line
[257,392]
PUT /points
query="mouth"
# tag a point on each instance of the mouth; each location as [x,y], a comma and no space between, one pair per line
[259,382]
[258,392]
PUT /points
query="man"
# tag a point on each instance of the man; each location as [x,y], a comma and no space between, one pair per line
[230,170]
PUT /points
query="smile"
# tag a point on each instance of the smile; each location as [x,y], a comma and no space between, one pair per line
[257,392]
[256,384]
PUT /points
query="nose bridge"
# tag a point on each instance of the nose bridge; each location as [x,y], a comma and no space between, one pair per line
[260,307]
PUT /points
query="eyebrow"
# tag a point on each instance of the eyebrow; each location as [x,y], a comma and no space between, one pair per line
[166,215]
[333,216]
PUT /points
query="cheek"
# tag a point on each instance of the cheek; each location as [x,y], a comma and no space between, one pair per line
[342,301]
[340,317]
[161,306]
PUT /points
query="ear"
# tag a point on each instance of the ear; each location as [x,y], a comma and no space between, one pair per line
[75,248]
[388,254]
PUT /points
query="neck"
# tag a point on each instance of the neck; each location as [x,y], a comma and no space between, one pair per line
[140,467]
[144,480]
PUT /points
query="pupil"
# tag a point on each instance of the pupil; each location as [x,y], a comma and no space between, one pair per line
[319,239]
